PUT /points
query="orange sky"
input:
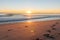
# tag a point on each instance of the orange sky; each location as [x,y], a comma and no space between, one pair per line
[33,11]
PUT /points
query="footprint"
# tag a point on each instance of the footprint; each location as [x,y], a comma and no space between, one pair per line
[49,36]
[46,35]
[49,31]
[53,25]
[26,26]
[10,29]
[58,33]
[57,22]
[54,29]
[37,39]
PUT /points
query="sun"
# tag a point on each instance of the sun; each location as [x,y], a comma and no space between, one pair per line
[29,12]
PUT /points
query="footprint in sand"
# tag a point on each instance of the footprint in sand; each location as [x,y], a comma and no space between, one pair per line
[54,29]
[53,25]
[26,26]
[10,29]
[57,22]
[49,36]
[58,33]
[49,31]
[37,38]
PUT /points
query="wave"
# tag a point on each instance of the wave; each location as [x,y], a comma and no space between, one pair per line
[21,18]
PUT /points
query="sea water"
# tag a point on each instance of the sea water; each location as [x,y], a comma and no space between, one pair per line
[13,18]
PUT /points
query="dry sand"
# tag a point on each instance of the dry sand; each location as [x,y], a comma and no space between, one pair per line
[29,30]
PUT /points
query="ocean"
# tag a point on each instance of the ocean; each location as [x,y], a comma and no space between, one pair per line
[13,18]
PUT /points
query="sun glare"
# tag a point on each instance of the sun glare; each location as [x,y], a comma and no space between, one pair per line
[29,21]
[29,12]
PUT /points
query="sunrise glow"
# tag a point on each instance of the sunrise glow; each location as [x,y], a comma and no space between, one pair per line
[29,12]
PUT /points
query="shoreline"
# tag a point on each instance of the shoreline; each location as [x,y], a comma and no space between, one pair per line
[32,20]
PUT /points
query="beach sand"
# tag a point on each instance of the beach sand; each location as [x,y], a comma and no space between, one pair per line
[30,30]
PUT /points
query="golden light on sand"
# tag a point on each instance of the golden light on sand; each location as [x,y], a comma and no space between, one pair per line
[32,31]
[29,21]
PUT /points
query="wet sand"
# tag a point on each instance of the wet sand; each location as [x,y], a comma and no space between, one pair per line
[30,30]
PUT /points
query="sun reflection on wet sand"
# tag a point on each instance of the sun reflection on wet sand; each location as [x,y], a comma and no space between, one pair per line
[29,21]
[33,32]
[30,28]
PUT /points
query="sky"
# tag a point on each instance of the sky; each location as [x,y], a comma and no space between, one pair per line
[29,4]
